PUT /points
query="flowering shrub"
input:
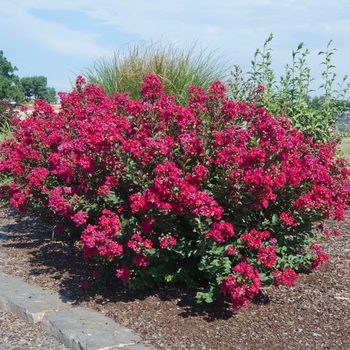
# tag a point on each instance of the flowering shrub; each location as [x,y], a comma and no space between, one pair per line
[217,191]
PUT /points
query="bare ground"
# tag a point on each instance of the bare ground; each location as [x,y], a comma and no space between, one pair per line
[314,314]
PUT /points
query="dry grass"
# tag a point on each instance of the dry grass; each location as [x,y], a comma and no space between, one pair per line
[175,66]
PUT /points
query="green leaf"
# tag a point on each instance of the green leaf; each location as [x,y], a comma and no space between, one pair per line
[275,218]
[208,299]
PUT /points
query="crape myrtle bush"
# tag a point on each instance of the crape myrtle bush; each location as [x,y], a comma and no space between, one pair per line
[218,194]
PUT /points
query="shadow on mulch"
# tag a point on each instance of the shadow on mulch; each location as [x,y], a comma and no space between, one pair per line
[64,263]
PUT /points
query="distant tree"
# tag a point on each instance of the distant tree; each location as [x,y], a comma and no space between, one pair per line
[339,105]
[27,86]
[50,95]
[316,102]
[10,87]
[39,86]
[36,87]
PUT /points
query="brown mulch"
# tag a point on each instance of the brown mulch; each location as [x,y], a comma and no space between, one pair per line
[314,314]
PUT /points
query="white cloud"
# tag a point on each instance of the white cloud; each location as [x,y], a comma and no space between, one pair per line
[38,33]
[210,21]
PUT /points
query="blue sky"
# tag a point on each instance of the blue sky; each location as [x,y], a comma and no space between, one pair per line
[58,39]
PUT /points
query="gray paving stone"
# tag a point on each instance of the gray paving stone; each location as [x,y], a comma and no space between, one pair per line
[77,328]
[27,301]
[86,329]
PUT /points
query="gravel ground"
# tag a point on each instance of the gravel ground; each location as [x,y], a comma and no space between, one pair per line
[314,314]
[17,334]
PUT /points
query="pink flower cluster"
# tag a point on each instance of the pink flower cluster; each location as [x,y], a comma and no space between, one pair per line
[286,277]
[255,238]
[267,256]
[171,192]
[320,256]
[242,285]
[100,239]
[221,231]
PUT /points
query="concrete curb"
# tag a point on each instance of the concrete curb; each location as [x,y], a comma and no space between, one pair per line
[77,328]
[28,302]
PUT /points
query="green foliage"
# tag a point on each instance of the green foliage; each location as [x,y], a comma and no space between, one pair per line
[36,87]
[290,97]
[27,86]
[50,95]
[9,82]
[176,68]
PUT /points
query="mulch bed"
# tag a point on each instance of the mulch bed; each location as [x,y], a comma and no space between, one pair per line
[314,314]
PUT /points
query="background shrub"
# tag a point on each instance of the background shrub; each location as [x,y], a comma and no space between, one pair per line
[291,96]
